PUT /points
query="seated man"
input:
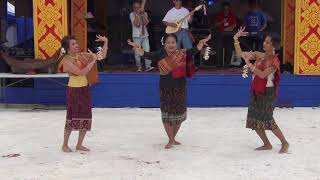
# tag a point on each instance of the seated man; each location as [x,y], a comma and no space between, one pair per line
[225,23]
[255,22]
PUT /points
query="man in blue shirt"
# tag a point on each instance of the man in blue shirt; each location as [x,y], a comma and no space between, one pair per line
[255,22]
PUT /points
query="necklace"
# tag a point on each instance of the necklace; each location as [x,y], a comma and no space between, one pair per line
[73,57]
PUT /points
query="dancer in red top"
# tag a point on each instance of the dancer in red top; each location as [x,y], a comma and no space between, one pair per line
[266,76]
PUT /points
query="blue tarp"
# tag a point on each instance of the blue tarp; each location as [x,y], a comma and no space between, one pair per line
[24,27]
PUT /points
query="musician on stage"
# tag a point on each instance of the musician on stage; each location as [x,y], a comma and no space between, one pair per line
[225,22]
[82,70]
[175,14]
[174,66]
[139,20]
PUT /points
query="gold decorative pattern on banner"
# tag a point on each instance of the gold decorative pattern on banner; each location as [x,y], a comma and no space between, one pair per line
[50,25]
[307,37]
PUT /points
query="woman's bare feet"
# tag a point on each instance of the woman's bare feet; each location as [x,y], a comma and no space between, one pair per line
[284,148]
[176,142]
[169,145]
[82,148]
[264,148]
[66,149]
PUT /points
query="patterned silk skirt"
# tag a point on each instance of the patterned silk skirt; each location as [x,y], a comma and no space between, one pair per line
[260,111]
[79,115]
[173,104]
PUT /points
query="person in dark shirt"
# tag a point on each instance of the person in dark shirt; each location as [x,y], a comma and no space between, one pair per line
[174,65]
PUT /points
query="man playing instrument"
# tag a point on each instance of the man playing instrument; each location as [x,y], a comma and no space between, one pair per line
[175,14]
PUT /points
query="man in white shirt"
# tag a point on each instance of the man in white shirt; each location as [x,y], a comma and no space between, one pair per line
[175,14]
[139,20]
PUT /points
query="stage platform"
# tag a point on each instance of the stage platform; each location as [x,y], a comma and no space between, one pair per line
[206,89]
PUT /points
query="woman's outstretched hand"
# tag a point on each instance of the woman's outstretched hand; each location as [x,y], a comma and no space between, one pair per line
[240,33]
[203,42]
[136,47]
[100,38]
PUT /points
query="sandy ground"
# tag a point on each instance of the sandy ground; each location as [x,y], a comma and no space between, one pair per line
[127,144]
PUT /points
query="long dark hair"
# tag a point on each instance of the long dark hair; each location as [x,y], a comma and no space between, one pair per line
[65,43]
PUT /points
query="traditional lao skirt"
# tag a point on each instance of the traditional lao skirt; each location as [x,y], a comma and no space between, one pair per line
[79,114]
[173,104]
[260,111]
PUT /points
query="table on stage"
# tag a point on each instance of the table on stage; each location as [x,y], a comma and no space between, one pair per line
[23,77]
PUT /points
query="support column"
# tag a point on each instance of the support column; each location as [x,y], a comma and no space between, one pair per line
[79,23]
[288,30]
